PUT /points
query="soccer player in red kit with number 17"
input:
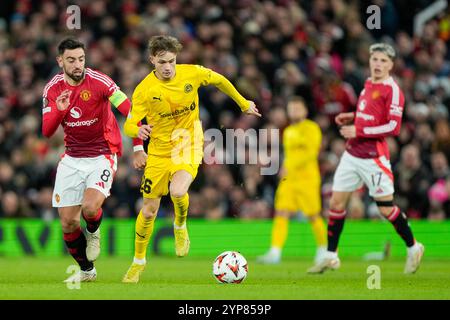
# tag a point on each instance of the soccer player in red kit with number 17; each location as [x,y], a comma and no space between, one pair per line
[366,159]
[79,99]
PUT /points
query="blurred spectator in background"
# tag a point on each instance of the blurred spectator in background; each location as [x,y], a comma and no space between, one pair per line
[441,141]
[438,193]
[331,95]
[412,181]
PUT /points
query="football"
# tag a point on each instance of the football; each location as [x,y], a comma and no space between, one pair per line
[230,267]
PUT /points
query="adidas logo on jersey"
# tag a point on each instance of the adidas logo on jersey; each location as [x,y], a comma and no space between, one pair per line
[100,184]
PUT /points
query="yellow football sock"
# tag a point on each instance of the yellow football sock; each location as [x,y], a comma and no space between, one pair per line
[181,206]
[279,231]
[319,230]
[144,230]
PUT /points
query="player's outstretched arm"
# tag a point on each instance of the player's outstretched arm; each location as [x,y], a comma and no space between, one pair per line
[209,76]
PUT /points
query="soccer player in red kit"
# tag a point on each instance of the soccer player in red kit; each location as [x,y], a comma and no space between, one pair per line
[366,159]
[79,100]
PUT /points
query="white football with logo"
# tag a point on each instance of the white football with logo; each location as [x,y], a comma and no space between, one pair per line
[230,267]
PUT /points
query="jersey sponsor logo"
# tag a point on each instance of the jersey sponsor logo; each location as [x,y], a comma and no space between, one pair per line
[75,112]
[85,123]
[187,88]
[365,116]
[85,95]
[178,112]
[157,98]
[362,105]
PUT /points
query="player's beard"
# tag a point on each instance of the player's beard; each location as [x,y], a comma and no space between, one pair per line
[76,78]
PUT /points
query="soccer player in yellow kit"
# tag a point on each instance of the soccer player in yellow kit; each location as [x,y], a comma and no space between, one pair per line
[168,99]
[299,187]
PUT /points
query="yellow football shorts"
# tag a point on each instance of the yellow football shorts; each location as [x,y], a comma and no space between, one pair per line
[159,172]
[292,196]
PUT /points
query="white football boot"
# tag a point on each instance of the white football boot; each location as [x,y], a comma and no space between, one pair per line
[320,252]
[328,260]
[82,276]
[93,245]
[415,254]
[273,256]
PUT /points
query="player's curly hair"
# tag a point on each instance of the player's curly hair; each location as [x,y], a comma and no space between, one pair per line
[161,43]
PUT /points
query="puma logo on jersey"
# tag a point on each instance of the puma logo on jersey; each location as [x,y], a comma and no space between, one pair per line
[140,235]
[157,98]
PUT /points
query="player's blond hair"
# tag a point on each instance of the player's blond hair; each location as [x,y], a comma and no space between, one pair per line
[385,48]
[158,44]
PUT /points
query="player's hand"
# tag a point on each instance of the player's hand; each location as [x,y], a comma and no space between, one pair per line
[63,101]
[139,159]
[344,118]
[253,110]
[144,131]
[348,132]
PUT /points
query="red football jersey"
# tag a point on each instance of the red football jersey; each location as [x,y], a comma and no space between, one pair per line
[90,127]
[378,115]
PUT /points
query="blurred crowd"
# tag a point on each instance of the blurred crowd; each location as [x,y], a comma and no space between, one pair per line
[270,50]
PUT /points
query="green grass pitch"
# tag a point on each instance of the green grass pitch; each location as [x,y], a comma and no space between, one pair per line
[172,278]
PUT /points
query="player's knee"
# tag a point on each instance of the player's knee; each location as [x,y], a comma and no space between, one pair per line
[69,225]
[385,211]
[89,209]
[337,204]
[149,211]
[177,191]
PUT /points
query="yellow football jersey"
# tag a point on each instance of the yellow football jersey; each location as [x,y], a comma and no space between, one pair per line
[172,108]
[301,143]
